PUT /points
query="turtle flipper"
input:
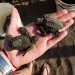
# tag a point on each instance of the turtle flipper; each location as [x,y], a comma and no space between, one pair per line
[24,31]
[9,37]
[34,39]
[42,30]
[10,48]
[28,50]
[57,33]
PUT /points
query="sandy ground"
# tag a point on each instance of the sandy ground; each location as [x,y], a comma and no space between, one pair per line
[61,57]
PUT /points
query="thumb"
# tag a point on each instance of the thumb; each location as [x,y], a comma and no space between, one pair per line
[14,17]
[13,26]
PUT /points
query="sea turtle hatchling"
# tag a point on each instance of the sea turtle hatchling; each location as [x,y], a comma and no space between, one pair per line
[22,42]
[49,24]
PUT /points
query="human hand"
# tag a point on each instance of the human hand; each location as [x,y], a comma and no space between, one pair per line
[44,42]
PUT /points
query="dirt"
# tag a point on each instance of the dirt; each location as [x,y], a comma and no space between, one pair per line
[61,57]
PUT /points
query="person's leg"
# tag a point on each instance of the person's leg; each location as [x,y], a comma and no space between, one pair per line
[28,70]
[25,71]
[46,69]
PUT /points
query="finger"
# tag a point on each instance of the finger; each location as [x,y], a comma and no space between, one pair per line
[12,29]
[14,17]
[55,40]
[30,66]
[68,24]
[66,17]
[50,36]
[59,13]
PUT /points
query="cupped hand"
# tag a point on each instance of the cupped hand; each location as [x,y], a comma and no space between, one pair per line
[44,42]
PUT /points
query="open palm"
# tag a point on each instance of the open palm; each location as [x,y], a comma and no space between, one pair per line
[44,42]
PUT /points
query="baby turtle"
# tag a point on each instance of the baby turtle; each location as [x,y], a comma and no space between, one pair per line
[49,24]
[22,42]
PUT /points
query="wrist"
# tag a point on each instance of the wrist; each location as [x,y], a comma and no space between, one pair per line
[7,60]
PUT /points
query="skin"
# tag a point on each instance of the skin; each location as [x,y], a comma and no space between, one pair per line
[41,46]
[28,70]
[44,43]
